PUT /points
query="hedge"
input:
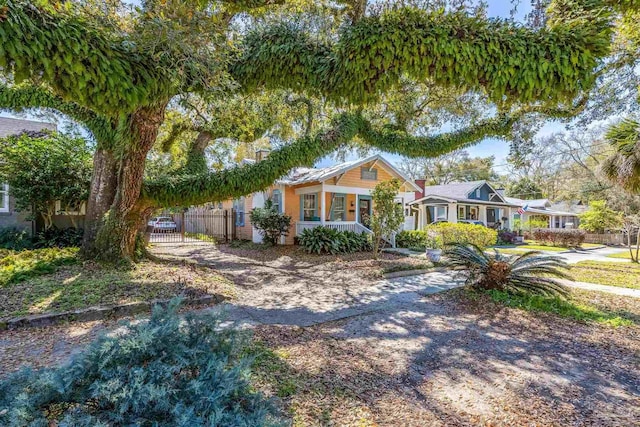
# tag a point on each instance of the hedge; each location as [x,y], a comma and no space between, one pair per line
[444,233]
[559,237]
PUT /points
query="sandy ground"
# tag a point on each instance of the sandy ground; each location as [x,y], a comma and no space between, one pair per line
[409,357]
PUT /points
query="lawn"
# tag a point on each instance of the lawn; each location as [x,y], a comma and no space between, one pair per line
[580,306]
[625,275]
[621,255]
[54,280]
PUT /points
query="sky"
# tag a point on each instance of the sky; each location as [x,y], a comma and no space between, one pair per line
[488,147]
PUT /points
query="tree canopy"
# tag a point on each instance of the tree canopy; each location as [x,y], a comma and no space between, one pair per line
[122,71]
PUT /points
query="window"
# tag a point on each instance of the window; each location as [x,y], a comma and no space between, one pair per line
[238,207]
[368,174]
[441,213]
[4,198]
[338,208]
[276,200]
[309,207]
[477,193]
[461,212]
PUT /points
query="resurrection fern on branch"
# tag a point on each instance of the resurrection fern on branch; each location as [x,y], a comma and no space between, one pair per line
[169,371]
[530,272]
[117,71]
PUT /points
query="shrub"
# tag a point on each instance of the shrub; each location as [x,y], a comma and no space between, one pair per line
[58,238]
[271,224]
[506,237]
[463,233]
[321,240]
[18,266]
[169,371]
[412,239]
[530,272]
[559,237]
[15,239]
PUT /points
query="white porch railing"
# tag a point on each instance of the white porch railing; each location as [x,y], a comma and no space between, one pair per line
[337,225]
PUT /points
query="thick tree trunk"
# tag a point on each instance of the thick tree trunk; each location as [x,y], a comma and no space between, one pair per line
[116,239]
[102,193]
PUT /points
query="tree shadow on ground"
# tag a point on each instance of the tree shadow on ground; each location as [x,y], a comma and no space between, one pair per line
[455,366]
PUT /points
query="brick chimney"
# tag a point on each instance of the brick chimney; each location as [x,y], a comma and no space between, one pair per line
[420,183]
[262,154]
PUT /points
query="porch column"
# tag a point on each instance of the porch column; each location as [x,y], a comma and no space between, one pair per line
[323,209]
[452,213]
[553,221]
[482,214]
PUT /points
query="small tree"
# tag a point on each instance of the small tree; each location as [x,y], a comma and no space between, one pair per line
[388,215]
[44,167]
[271,224]
[631,227]
[599,218]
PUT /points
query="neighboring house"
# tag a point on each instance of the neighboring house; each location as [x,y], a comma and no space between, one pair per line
[8,216]
[462,202]
[560,215]
[337,196]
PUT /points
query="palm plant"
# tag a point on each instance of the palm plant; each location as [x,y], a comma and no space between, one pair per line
[530,272]
[623,167]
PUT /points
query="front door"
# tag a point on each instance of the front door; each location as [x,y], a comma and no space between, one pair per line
[491,216]
[364,210]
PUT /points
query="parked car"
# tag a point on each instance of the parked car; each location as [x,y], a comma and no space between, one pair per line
[163,224]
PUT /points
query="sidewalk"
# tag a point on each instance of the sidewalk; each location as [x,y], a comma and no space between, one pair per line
[603,288]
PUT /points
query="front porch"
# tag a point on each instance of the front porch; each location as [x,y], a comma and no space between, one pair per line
[354,226]
[439,211]
[344,211]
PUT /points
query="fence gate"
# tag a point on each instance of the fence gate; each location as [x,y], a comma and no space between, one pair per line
[194,225]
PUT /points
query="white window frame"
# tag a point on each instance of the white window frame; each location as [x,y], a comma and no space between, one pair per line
[4,195]
[276,200]
[439,217]
[368,174]
[462,212]
[313,209]
[339,213]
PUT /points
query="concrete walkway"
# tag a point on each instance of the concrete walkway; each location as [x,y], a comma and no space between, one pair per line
[288,307]
[635,293]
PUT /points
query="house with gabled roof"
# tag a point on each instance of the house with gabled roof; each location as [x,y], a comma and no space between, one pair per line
[337,196]
[557,215]
[475,201]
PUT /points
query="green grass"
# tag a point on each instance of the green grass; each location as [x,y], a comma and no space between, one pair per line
[624,275]
[538,247]
[200,236]
[573,309]
[54,287]
[620,255]
[407,267]
[18,266]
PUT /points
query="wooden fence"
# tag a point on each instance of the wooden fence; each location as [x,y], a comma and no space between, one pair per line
[615,239]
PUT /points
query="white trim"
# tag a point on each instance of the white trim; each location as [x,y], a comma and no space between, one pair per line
[308,190]
[347,190]
[323,202]
[5,198]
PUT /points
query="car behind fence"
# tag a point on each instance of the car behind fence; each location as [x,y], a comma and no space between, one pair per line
[193,225]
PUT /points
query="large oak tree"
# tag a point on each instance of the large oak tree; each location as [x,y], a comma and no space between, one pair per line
[116,69]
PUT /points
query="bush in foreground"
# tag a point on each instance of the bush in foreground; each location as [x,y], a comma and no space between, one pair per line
[169,371]
[325,240]
[529,273]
